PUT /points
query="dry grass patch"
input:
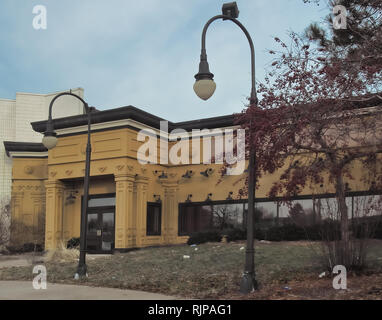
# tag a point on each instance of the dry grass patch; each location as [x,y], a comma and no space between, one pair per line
[62,254]
[213,271]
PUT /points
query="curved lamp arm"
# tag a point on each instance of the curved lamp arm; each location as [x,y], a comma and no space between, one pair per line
[204,72]
[49,126]
[50,137]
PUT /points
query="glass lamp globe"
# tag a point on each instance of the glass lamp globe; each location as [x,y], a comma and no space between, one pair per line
[49,141]
[204,88]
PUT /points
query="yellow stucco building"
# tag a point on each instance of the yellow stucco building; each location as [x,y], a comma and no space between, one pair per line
[131,204]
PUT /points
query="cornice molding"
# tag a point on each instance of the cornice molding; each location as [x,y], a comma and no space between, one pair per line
[25,149]
[133,116]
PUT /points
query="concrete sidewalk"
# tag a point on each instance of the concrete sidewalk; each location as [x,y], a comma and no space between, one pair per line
[23,290]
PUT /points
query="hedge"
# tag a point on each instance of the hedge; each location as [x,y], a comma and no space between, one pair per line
[26,247]
[204,236]
[73,243]
[328,230]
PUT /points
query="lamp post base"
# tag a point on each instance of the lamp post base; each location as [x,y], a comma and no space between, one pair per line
[81,272]
[248,283]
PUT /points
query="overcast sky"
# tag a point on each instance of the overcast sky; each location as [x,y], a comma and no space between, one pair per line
[142,53]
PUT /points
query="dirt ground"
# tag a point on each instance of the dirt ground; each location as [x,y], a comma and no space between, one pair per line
[364,287]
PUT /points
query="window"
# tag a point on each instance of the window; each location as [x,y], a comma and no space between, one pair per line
[101,200]
[195,218]
[227,216]
[266,214]
[154,217]
[366,206]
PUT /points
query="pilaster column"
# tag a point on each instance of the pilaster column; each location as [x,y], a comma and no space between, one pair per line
[125,231]
[16,203]
[16,219]
[141,208]
[39,202]
[170,212]
[53,216]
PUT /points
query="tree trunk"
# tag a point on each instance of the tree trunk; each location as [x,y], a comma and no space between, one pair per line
[344,254]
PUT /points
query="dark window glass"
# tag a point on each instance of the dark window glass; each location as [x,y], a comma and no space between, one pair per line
[194,218]
[266,214]
[227,216]
[188,219]
[108,231]
[92,223]
[154,216]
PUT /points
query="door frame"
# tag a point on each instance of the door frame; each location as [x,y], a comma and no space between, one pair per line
[99,210]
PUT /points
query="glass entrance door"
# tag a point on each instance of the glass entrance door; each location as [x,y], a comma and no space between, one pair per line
[107,237]
[100,225]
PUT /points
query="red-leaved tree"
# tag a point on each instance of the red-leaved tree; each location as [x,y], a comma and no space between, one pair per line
[319,116]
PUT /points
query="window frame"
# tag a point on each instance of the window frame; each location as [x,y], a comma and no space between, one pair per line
[203,203]
[157,205]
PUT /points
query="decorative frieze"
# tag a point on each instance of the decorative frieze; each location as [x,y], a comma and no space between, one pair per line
[120,167]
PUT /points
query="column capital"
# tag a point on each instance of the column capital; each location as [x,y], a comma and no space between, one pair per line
[54,184]
[141,179]
[170,184]
[124,177]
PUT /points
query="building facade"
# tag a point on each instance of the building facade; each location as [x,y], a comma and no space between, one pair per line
[134,204]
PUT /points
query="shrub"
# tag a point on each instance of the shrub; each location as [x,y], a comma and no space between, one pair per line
[26,247]
[367,229]
[23,234]
[234,234]
[73,243]
[30,247]
[328,230]
[378,231]
[204,236]
[5,221]
[290,232]
[241,234]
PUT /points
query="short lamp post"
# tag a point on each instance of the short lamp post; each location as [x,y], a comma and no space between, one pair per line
[50,141]
[204,87]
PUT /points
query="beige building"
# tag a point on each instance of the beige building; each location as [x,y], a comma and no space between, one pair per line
[133,204]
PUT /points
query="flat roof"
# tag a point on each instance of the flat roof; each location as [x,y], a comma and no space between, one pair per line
[133,113]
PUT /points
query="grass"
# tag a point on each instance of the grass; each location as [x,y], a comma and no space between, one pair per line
[213,271]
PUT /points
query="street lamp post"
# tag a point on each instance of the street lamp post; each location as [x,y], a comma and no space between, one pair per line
[50,140]
[204,87]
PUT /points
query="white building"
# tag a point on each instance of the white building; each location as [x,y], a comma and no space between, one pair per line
[15,125]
